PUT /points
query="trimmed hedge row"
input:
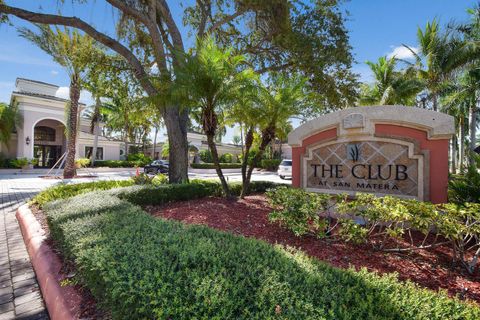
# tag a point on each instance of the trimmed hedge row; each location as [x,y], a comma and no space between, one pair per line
[63,190]
[212,166]
[140,267]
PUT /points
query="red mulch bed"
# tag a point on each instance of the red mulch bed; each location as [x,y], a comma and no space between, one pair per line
[249,218]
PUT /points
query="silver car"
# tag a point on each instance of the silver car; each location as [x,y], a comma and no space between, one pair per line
[285,169]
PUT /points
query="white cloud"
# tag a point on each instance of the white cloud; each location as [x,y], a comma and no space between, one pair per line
[402,52]
[85,96]
[54,72]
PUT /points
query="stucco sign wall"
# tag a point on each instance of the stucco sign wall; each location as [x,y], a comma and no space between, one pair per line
[386,150]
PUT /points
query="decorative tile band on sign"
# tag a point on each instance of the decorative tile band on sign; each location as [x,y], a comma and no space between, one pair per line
[381,166]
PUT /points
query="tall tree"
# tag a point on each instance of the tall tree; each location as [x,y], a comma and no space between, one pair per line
[390,86]
[71,50]
[276,35]
[10,118]
[210,80]
[440,53]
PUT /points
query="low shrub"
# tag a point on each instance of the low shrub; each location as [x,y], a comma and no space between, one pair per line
[63,190]
[82,162]
[20,162]
[270,164]
[140,267]
[142,179]
[115,163]
[465,188]
[205,156]
[5,163]
[381,219]
[139,159]
[160,179]
[212,166]
[226,158]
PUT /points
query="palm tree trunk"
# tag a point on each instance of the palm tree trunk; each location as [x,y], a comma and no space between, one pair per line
[216,162]
[154,143]
[473,133]
[453,150]
[96,131]
[461,137]
[70,171]
[125,141]
[435,102]
[245,152]
[268,134]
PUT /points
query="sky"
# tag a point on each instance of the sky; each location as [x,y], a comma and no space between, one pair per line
[376,27]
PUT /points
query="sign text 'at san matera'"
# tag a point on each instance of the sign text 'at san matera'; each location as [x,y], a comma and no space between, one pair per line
[386,150]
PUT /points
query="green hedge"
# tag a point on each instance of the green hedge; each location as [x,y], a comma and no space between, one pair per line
[63,190]
[270,164]
[140,267]
[212,166]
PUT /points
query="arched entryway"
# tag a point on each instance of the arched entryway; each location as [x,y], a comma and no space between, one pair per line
[48,142]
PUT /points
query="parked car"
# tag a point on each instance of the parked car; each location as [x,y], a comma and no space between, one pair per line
[285,169]
[157,166]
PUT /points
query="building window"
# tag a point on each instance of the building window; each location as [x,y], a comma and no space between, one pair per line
[89,150]
[44,134]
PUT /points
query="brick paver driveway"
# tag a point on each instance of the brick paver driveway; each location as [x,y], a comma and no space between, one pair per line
[20,297]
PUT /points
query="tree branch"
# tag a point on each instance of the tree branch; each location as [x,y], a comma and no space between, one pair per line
[75,22]
[227,19]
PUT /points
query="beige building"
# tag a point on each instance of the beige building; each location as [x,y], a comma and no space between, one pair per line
[197,142]
[42,132]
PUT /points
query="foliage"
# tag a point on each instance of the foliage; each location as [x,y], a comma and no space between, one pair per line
[142,179]
[465,188]
[299,211]
[270,164]
[140,159]
[10,118]
[82,162]
[160,179]
[379,220]
[212,166]
[20,162]
[226,158]
[390,87]
[67,190]
[206,156]
[172,271]
[5,162]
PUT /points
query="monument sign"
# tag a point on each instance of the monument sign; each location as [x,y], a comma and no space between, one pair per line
[386,150]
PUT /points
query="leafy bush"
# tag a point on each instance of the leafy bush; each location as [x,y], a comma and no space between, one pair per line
[212,166]
[381,220]
[139,267]
[160,179]
[5,162]
[142,179]
[465,188]
[63,190]
[270,164]
[226,158]
[206,156]
[114,163]
[139,159]
[298,210]
[82,162]
[20,162]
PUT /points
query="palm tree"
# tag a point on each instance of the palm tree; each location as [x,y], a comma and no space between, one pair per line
[390,86]
[280,100]
[73,51]
[209,81]
[10,118]
[439,55]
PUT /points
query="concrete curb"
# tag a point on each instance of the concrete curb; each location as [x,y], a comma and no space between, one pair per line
[43,260]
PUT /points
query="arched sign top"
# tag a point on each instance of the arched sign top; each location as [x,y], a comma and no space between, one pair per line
[362,121]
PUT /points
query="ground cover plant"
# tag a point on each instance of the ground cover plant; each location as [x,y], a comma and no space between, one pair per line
[378,220]
[137,266]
